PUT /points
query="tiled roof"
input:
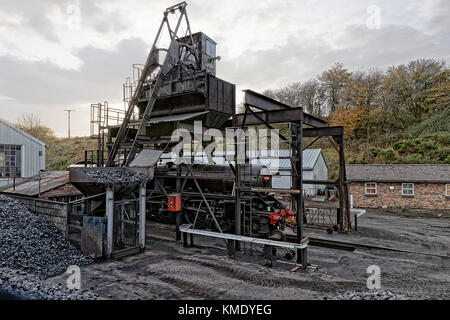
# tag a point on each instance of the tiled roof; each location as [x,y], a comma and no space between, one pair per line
[437,173]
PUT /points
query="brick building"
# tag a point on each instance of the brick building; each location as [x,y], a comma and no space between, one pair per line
[418,186]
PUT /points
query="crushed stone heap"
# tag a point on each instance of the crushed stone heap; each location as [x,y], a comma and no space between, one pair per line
[30,243]
[117,176]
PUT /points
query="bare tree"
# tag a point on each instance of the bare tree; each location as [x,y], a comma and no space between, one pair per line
[334,81]
[31,124]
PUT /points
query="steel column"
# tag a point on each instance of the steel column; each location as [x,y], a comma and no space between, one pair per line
[237,197]
[110,221]
[301,254]
[341,188]
[142,214]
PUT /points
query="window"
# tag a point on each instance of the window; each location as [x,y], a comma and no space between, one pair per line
[10,160]
[447,190]
[371,188]
[407,189]
[210,49]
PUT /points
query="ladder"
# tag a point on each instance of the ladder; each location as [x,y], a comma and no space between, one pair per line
[170,61]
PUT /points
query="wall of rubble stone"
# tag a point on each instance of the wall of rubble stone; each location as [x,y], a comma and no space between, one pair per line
[389,195]
[56,212]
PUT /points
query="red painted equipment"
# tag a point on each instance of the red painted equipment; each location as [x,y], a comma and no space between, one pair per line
[288,215]
[174,203]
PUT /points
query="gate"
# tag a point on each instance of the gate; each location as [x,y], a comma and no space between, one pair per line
[126,225]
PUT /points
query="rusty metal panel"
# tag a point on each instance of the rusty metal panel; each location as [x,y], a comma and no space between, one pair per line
[92,235]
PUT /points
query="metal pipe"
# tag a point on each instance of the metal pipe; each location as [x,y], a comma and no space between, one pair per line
[87,198]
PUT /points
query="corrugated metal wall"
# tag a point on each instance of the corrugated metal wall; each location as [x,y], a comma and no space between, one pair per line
[31,161]
[319,172]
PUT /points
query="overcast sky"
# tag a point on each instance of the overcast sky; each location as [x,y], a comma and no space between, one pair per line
[60,54]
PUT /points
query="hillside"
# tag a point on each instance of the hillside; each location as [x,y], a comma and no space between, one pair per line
[427,141]
[397,115]
[63,152]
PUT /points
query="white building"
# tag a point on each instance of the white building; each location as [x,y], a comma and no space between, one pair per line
[314,168]
[21,155]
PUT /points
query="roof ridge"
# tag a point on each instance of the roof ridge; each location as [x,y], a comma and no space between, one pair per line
[9,124]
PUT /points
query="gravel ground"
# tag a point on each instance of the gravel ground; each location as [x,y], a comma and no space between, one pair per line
[166,270]
[367,295]
[117,176]
[32,249]
[27,286]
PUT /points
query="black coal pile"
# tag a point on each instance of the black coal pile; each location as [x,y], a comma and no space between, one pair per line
[17,284]
[118,176]
[30,243]
[367,295]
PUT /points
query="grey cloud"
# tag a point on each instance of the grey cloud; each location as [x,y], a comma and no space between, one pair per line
[435,13]
[98,79]
[35,15]
[301,58]
[102,21]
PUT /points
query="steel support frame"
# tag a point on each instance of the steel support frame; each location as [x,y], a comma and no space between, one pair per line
[181,7]
[337,135]
[265,103]
[297,129]
[295,116]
